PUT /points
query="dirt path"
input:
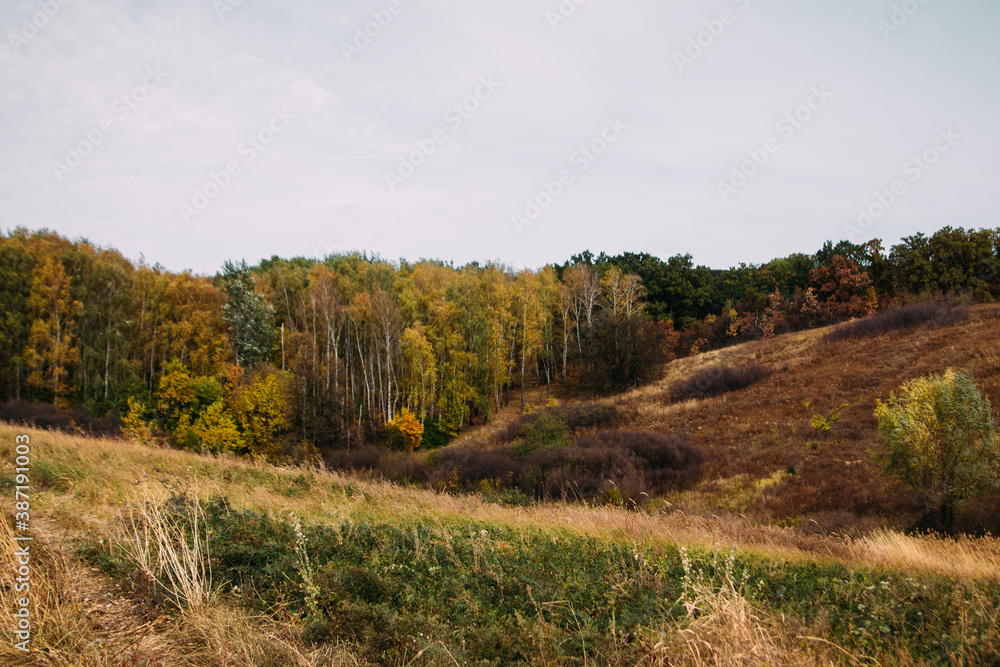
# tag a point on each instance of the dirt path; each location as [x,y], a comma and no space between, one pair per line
[121,630]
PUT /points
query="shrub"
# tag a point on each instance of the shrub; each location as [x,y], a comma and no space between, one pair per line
[573,417]
[940,441]
[48,416]
[407,429]
[587,415]
[475,464]
[898,319]
[433,437]
[717,380]
[403,467]
[364,458]
[542,432]
[666,460]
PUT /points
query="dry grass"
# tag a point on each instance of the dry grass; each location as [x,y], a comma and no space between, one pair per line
[88,482]
[77,621]
[721,627]
[963,558]
[172,551]
[108,473]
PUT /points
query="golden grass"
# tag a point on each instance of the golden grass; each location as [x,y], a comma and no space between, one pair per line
[107,473]
[721,627]
[963,558]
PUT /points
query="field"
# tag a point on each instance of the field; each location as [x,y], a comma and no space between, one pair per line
[788,550]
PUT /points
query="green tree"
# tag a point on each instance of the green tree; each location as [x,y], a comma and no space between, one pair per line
[940,441]
[249,316]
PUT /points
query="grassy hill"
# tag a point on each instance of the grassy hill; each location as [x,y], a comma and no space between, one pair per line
[786,551]
[762,454]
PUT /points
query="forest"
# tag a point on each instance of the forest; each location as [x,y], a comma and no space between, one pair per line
[293,358]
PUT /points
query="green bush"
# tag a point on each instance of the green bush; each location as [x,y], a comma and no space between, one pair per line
[940,441]
[542,432]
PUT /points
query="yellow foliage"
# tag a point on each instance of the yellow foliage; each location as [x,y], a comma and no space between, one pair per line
[136,427]
[409,428]
[262,411]
[216,431]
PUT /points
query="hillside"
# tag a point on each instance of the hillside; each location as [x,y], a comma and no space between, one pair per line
[762,434]
[783,552]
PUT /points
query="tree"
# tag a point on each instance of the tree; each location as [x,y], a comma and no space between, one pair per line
[249,316]
[407,428]
[215,430]
[262,409]
[52,350]
[940,441]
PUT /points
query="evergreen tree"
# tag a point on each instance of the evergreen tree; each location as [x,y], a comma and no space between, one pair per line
[248,315]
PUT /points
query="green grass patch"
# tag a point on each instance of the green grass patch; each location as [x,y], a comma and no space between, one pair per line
[491,595]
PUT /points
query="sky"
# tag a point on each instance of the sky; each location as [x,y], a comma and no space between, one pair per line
[189,132]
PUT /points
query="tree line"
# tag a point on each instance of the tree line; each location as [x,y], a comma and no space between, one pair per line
[293,355]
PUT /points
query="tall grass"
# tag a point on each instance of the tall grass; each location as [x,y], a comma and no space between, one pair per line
[168,543]
[720,626]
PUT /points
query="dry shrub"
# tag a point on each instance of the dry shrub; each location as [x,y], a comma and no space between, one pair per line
[615,465]
[716,380]
[475,464]
[364,458]
[403,467]
[899,319]
[588,415]
[47,416]
[666,460]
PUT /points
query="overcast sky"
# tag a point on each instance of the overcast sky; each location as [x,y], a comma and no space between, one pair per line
[194,131]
